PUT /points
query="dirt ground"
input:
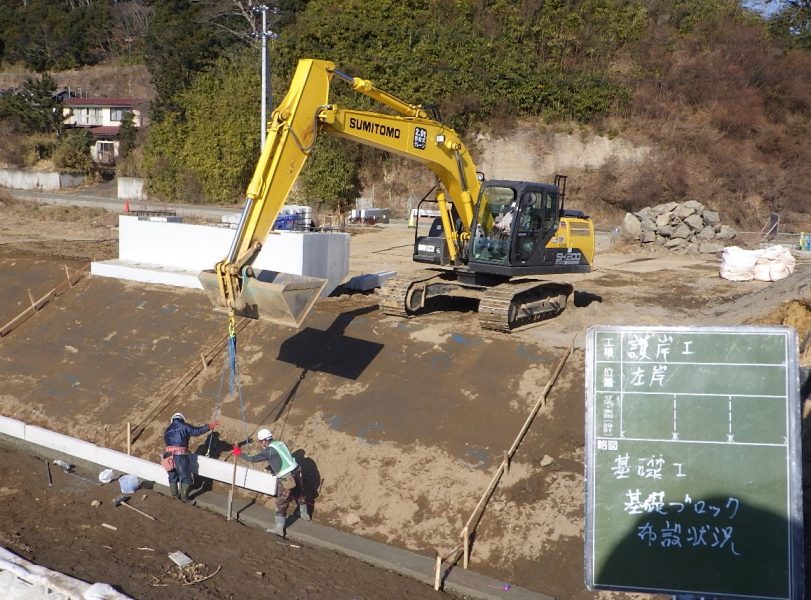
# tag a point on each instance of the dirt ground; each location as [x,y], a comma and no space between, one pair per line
[400,424]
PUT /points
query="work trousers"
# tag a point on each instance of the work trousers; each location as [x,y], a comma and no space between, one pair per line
[182,471]
[284,496]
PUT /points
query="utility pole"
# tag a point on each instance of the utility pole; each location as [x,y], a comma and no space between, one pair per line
[266,84]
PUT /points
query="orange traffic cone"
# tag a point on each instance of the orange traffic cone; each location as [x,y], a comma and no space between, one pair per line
[126,206]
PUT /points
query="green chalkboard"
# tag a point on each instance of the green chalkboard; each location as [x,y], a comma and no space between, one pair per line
[693,470]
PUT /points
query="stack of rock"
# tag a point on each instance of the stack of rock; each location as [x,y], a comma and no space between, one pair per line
[686,226]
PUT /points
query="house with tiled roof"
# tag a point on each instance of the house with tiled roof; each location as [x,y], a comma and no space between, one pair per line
[103,117]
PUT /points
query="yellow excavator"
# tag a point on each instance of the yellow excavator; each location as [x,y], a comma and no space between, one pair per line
[490,237]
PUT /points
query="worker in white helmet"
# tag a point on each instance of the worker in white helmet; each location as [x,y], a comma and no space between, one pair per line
[288,477]
[176,456]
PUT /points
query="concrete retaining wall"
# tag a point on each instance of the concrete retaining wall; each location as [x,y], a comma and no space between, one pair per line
[131,188]
[21,179]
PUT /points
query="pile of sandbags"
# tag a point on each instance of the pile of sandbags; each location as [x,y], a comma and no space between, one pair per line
[686,226]
[766,264]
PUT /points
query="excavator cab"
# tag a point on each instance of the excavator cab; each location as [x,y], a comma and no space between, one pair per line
[525,216]
[531,232]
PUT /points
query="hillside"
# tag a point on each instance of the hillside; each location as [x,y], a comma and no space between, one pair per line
[658,102]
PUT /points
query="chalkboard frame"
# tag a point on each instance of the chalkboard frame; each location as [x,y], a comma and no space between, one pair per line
[793,468]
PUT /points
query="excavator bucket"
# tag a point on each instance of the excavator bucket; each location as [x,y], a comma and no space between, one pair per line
[280,298]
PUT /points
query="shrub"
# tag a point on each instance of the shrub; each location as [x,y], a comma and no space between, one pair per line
[73,151]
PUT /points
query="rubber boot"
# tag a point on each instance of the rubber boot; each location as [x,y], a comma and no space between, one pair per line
[279,529]
[184,493]
[174,491]
[304,511]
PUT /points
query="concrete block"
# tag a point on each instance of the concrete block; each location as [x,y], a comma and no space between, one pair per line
[131,188]
[260,481]
[248,478]
[146,273]
[12,427]
[61,443]
[176,245]
[369,281]
[193,248]
[324,255]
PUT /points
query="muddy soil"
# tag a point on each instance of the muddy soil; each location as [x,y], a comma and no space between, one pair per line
[400,423]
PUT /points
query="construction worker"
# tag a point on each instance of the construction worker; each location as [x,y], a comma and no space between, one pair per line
[176,456]
[288,477]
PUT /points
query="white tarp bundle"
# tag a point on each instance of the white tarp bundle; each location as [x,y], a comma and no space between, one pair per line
[766,264]
[22,579]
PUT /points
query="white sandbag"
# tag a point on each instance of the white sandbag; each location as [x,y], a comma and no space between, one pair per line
[738,264]
[736,273]
[770,271]
[774,263]
[736,257]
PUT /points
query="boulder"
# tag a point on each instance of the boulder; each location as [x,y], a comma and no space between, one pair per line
[631,227]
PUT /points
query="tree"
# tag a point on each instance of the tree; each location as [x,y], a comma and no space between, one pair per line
[793,22]
[127,134]
[73,151]
[212,149]
[330,177]
[179,46]
[33,108]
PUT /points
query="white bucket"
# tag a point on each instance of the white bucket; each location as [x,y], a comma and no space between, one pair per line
[129,483]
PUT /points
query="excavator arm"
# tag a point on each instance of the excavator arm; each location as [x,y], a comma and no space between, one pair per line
[294,125]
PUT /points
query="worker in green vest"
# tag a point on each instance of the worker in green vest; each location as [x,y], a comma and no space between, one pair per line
[288,477]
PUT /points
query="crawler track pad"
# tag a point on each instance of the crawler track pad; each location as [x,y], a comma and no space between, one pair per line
[280,298]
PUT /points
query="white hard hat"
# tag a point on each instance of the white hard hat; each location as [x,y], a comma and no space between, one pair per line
[178,416]
[264,434]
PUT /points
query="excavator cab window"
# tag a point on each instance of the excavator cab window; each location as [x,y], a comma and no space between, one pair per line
[538,210]
[493,245]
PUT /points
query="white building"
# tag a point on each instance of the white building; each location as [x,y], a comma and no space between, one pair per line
[103,117]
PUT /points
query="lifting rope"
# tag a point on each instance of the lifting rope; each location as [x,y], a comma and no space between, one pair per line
[234,387]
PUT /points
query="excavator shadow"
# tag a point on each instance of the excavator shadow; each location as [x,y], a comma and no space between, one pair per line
[331,351]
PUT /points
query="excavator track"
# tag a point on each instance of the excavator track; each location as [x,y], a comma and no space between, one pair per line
[396,295]
[508,306]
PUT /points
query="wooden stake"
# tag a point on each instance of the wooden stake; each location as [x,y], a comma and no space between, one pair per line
[31,298]
[129,437]
[67,274]
[205,362]
[477,513]
[438,571]
[231,492]
[48,466]
[465,547]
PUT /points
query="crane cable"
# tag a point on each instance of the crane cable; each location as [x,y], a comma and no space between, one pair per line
[233,381]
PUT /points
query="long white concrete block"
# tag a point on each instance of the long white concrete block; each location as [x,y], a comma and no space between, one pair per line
[253,479]
[218,470]
[260,481]
[12,427]
[143,469]
[61,443]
